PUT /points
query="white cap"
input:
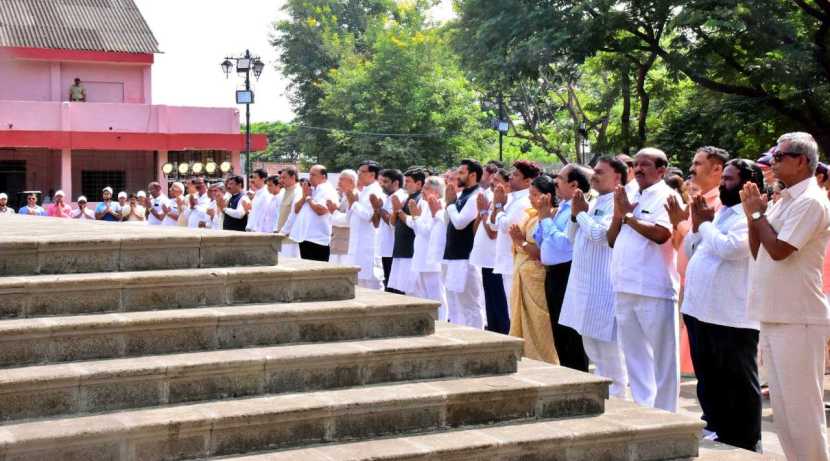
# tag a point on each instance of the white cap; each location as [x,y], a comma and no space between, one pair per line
[82,199]
[141,194]
[107,189]
[60,193]
[122,194]
[3,196]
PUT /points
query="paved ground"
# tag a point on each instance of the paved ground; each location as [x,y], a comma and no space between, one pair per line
[772,447]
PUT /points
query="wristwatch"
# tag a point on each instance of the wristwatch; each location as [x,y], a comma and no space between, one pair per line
[757,215]
[627,217]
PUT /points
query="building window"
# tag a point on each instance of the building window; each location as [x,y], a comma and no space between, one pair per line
[93,182]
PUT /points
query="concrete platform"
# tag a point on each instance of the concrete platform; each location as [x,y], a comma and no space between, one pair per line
[238,426]
[106,385]
[59,295]
[625,432]
[371,314]
[68,246]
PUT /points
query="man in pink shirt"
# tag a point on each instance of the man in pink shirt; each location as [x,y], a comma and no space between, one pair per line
[59,209]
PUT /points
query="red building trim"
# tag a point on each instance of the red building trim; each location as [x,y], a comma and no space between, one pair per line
[79,140]
[51,54]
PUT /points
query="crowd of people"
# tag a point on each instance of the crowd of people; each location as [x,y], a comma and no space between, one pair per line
[594,265]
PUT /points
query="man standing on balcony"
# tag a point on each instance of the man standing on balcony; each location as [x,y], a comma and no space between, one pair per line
[77,92]
[5,210]
[59,209]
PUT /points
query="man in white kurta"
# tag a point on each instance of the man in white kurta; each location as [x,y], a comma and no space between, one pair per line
[197,203]
[588,306]
[646,283]
[465,293]
[5,210]
[364,241]
[788,242]
[427,220]
[259,203]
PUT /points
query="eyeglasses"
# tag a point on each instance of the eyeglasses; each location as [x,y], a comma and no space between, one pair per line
[778,156]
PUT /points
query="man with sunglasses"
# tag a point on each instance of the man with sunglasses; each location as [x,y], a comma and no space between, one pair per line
[788,241]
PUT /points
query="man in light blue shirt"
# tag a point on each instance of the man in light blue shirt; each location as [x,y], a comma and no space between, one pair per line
[556,254]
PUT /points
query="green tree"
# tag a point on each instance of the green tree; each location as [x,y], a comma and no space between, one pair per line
[283,142]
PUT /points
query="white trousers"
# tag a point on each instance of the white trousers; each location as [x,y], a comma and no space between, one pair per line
[430,285]
[507,281]
[794,355]
[648,329]
[342,260]
[372,284]
[467,307]
[608,358]
[290,249]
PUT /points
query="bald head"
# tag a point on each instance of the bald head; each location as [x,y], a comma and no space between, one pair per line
[317,175]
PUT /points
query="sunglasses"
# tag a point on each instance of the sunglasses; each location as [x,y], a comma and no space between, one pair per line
[778,156]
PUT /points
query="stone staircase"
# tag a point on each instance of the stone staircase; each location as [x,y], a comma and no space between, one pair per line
[120,342]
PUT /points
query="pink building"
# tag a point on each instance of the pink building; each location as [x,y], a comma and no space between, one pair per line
[117,137]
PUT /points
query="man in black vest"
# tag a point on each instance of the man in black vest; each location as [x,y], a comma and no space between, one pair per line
[401,277]
[465,295]
[236,210]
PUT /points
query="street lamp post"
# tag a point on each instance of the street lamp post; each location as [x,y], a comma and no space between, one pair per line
[245,64]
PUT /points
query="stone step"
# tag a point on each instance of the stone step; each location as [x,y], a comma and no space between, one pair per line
[68,246]
[90,387]
[372,314]
[254,424]
[292,280]
[625,432]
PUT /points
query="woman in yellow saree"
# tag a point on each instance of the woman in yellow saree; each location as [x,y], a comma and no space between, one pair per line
[529,311]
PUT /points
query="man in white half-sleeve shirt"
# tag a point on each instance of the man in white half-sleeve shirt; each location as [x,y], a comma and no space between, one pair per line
[465,295]
[364,249]
[174,205]
[630,183]
[483,254]
[259,202]
[312,226]
[788,242]
[509,211]
[391,181]
[197,204]
[723,341]
[646,283]
[588,306]
[5,210]
[155,203]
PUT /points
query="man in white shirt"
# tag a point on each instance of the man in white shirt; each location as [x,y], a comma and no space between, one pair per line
[483,254]
[391,181]
[312,227]
[588,306]
[82,212]
[197,204]
[509,211]
[631,186]
[427,220]
[465,297]
[155,203]
[364,242]
[5,210]
[646,283]
[259,202]
[401,277]
[788,243]
[340,223]
[174,205]
[723,341]
[290,194]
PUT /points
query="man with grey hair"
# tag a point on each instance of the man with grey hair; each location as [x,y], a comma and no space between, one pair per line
[787,242]
[645,283]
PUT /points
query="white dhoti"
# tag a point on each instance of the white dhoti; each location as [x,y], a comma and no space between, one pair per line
[342,260]
[794,357]
[430,285]
[289,249]
[608,358]
[648,330]
[401,277]
[465,294]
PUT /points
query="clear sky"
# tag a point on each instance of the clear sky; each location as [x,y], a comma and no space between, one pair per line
[196,35]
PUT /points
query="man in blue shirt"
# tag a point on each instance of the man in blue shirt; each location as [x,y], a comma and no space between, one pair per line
[556,255]
[108,210]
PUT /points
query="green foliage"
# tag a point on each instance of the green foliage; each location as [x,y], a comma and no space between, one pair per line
[283,142]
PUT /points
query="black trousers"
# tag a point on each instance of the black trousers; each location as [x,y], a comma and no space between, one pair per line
[314,252]
[387,269]
[567,341]
[727,381]
[495,301]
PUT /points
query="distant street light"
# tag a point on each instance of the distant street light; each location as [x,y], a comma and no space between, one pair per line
[245,64]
